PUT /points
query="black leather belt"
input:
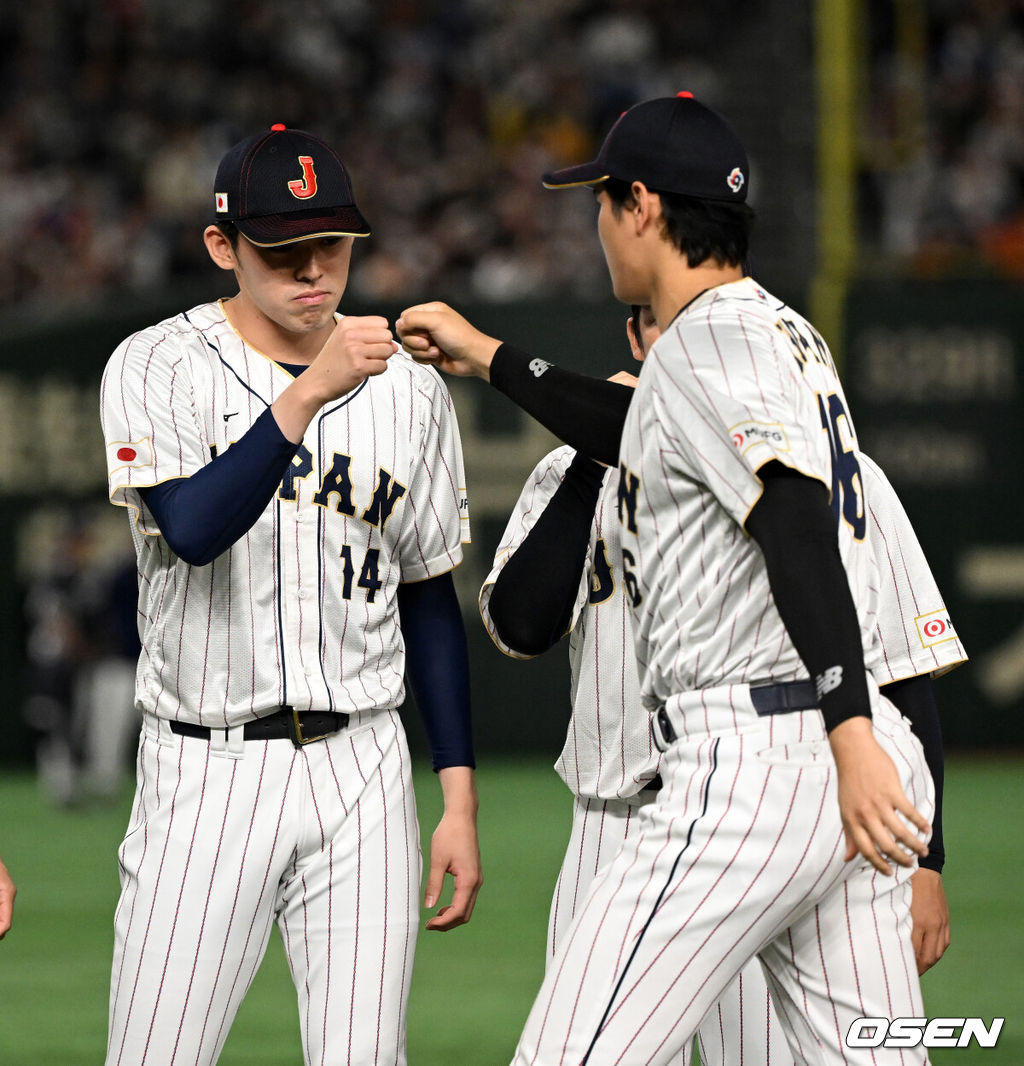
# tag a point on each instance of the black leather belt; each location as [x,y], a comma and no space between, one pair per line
[300,727]
[784,697]
[781,698]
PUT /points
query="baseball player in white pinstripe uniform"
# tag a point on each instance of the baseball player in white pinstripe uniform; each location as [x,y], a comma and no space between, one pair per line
[795,799]
[609,760]
[294,484]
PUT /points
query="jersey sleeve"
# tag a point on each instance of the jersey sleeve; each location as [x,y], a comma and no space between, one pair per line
[537,492]
[916,633]
[728,400]
[148,413]
[436,523]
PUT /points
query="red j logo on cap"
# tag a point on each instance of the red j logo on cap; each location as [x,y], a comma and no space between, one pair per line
[305,187]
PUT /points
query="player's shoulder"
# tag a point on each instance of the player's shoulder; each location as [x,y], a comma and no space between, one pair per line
[172,337]
[554,464]
[742,301]
[422,382]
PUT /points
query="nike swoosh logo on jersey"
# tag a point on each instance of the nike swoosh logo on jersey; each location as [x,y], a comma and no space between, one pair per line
[231,415]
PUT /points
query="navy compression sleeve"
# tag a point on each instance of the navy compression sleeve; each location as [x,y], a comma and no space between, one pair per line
[201,516]
[794,527]
[437,664]
[532,599]
[914,698]
[587,413]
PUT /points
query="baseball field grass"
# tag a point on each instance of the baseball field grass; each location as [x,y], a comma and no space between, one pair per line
[472,987]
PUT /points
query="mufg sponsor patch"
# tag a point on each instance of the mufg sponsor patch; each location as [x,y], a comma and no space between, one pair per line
[934,628]
[747,434]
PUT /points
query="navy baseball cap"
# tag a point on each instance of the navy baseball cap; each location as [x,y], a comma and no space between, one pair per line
[286,185]
[672,144]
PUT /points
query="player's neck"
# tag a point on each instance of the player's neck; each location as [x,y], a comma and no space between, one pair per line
[675,288]
[271,339]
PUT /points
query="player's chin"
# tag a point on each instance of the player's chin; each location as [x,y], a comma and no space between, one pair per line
[627,292]
[311,319]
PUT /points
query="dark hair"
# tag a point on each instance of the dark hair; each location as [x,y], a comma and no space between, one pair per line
[699,229]
[230,230]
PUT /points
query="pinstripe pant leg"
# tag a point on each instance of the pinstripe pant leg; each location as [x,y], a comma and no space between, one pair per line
[600,828]
[743,1026]
[349,903]
[209,835]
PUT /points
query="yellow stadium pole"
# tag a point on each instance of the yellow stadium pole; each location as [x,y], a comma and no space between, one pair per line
[837,36]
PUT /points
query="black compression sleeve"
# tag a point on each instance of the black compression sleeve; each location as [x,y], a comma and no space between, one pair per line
[914,697]
[201,516]
[437,664]
[587,413]
[794,526]
[532,599]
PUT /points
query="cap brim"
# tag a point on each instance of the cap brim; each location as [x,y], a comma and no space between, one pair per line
[572,177]
[267,231]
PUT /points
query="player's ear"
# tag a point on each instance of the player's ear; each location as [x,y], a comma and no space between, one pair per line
[634,340]
[219,247]
[646,205]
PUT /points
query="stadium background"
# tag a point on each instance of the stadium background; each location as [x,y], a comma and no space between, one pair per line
[887,149]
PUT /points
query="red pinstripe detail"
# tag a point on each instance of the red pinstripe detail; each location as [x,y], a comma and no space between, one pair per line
[387,910]
[234,903]
[145,849]
[206,903]
[411,886]
[728,918]
[152,910]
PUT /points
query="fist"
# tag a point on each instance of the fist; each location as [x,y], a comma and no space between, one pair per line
[359,347]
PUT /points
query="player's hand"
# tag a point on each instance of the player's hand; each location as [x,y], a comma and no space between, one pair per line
[871,800]
[435,333]
[455,850]
[7,894]
[930,913]
[624,377]
[359,347]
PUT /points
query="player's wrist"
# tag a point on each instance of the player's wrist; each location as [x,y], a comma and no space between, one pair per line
[298,405]
[848,737]
[480,352]
[458,789]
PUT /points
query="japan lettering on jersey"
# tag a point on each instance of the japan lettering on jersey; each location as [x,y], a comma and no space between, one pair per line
[609,752]
[378,477]
[737,379]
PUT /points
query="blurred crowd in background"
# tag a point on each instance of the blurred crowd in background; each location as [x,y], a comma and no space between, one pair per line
[115,113]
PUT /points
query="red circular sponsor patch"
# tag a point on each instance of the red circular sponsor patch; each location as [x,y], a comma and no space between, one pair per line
[126,454]
[935,628]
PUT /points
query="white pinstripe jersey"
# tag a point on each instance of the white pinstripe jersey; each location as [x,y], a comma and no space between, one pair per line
[736,380]
[608,752]
[302,610]
[915,631]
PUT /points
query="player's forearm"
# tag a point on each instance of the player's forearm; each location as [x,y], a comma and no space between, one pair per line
[587,413]
[201,516]
[437,664]
[7,894]
[914,698]
[794,527]
[532,600]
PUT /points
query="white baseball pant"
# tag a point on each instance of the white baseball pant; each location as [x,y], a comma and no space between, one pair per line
[230,835]
[742,1026]
[741,854]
